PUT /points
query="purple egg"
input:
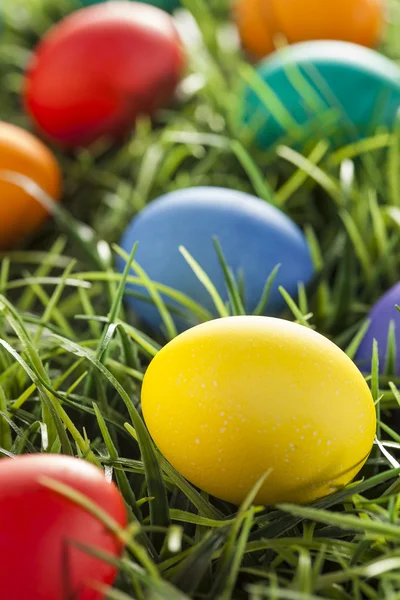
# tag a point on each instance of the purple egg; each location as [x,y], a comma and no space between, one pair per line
[380,316]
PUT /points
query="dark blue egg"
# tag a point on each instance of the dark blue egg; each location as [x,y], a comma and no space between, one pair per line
[381,315]
[333,89]
[254,237]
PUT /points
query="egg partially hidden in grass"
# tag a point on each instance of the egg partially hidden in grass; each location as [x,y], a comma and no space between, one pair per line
[384,317]
[101,67]
[254,237]
[55,560]
[232,399]
[260,22]
[21,153]
[320,89]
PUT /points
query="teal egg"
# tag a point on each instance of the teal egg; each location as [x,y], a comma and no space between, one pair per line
[331,89]
[167,5]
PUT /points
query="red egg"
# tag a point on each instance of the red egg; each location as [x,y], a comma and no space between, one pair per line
[39,529]
[101,67]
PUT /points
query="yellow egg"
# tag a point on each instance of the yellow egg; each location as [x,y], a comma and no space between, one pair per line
[232,398]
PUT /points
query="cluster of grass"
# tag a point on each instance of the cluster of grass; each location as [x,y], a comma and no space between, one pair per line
[72,359]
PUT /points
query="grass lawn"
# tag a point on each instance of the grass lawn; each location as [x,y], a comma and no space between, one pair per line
[72,357]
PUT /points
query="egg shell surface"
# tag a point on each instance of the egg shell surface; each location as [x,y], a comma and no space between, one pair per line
[382,314]
[101,67]
[21,153]
[255,26]
[167,5]
[42,527]
[254,237]
[331,89]
[232,398]
[261,21]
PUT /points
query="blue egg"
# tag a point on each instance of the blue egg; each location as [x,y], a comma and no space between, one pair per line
[383,313]
[332,89]
[254,237]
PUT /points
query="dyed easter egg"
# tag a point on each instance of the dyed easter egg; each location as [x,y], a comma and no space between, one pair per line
[261,21]
[100,68]
[331,89]
[44,529]
[254,236]
[21,153]
[255,29]
[382,314]
[167,5]
[233,398]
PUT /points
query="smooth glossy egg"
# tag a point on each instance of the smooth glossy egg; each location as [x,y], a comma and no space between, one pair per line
[331,89]
[24,154]
[101,67]
[254,237]
[255,26]
[382,314]
[167,5]
[260,22]
[43,534]
[233,398]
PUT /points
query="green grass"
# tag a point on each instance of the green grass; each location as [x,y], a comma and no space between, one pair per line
[72,359]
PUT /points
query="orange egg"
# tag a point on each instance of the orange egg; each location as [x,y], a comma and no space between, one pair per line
[261,21]
[254,29]
[20,214]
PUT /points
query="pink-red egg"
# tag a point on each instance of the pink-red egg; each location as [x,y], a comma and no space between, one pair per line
[42,532]
[101,67]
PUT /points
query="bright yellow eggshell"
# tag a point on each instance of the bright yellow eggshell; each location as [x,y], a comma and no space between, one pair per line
[229,399]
